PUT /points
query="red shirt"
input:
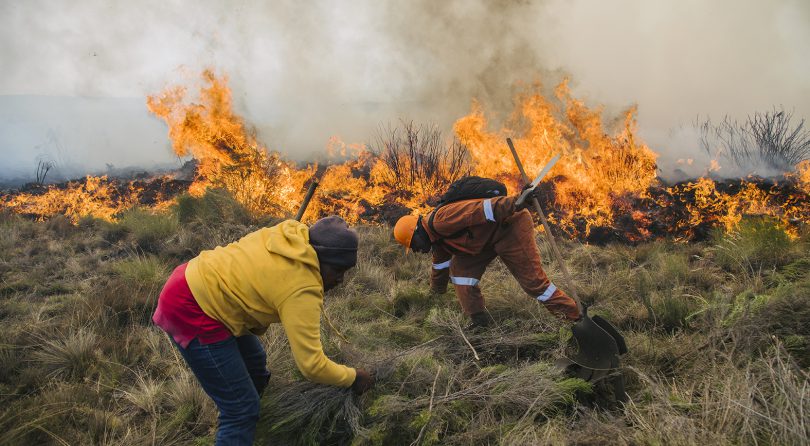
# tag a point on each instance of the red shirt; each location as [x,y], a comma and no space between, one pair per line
[179,315]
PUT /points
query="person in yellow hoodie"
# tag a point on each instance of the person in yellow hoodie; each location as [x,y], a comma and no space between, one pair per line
[214,306]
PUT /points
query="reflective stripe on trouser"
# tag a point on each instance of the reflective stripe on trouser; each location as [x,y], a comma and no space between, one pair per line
[465,274]
[547,293]
[443,265]
[515,245]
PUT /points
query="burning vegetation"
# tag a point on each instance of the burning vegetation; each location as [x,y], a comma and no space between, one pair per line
[604,188]
[717,329]
[99,197]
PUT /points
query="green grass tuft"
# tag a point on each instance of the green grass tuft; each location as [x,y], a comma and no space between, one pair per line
[214,207]
[757,244]
[137,271]
[150,231]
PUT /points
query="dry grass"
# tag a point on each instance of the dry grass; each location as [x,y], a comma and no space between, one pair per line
[308,413]
[70,356]
[718,334]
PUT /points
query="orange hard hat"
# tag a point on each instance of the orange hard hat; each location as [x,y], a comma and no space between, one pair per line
[404,229]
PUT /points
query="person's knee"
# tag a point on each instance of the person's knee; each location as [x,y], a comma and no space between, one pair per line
[245,412]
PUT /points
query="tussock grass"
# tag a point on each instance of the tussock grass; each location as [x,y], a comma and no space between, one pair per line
[10,227]
[671,309]
[146,394]
[142,270]
[150,231]
[761,401]
[757,244]
[372,278]
[215,206]
[71,356]
[312,414]
[184,394]
[718,335]
[475,405]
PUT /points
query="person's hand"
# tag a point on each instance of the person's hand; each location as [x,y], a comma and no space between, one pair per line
[526,197]
[363,382]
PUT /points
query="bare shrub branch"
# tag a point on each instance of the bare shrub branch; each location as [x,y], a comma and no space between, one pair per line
[769,139]
[418,159]
[43,167]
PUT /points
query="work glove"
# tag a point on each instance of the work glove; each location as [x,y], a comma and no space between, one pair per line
[363,382]
[526,197]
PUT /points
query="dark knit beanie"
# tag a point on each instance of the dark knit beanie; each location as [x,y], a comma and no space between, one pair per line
[334,242]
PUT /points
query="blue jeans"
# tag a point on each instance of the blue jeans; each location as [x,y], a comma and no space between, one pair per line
[234,374]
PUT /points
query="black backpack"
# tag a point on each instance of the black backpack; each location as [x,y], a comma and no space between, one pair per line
[471,187]
[467,188]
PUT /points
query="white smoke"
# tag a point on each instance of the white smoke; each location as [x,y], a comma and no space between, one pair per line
[304,71]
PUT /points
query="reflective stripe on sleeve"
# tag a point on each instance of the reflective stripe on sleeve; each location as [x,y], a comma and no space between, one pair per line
[443,265]
[469,281]
[488,210]
[547,295]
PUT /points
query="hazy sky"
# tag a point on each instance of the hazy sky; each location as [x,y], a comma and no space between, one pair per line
[75,73]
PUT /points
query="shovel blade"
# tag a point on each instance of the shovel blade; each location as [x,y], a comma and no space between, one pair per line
[595,348]
[608,327]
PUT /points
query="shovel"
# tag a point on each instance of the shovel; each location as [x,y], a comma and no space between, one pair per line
[597,344]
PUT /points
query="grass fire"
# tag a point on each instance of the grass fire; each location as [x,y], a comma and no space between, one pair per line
[486,249]
[604,188]
[707,279]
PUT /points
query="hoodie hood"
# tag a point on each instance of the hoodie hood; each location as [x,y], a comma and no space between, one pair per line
[290,239]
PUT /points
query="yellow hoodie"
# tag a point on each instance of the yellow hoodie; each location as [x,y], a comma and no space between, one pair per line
[271,275]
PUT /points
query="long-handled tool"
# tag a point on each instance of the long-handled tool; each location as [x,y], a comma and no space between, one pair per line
[598,344]
[307,198]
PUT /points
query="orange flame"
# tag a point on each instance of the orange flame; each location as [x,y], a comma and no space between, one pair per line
[606,177]
[227,151]
[803,175]
[92,197]
[595,167]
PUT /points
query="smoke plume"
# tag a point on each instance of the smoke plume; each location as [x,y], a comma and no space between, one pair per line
[303,72]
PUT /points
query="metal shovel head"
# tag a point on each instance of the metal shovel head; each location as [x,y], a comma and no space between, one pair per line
[594,347]
[608,327]
[527,193]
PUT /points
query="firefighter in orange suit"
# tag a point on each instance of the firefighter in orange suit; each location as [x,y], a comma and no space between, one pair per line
[465,236]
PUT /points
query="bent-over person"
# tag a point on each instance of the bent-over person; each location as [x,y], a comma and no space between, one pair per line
[465,236]
[214,306]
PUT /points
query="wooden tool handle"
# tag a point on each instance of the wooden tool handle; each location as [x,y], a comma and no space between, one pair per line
[555,250]
[310,192]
